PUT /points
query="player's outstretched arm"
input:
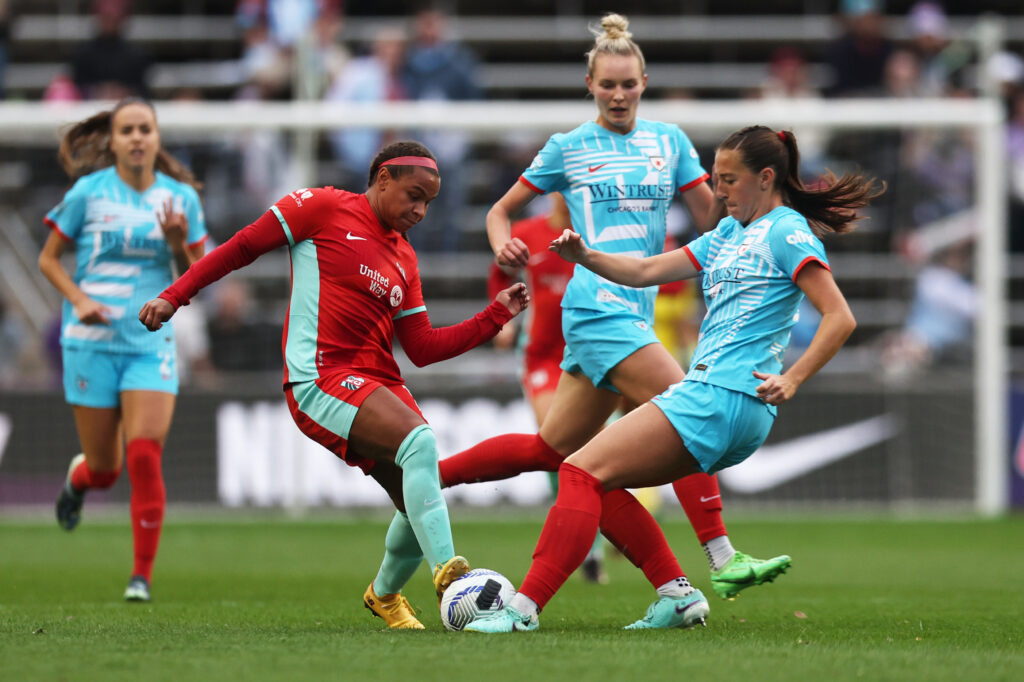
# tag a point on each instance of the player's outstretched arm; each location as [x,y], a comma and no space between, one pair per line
[508,250]
[633,272]
[516,298]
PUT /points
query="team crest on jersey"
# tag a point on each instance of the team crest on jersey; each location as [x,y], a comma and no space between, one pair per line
[396,296]
[352,382]
[657,161]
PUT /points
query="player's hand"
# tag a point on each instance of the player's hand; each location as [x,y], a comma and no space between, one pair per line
[155,313]
[569,246]
[775,389]
[174,226]
[516,298]
[514,254]
[89,311]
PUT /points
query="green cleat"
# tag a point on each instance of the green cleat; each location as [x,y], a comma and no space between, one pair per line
[745,571]
[674,612]
[137,590]
[506,619]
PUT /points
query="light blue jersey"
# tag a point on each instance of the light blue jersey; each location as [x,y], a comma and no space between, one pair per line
[749,282]
[619,189]
[122,259]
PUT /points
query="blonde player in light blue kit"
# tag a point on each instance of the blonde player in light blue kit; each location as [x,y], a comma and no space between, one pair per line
[619,175]
[132,216]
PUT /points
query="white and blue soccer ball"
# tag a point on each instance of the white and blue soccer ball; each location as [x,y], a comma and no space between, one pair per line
[478,592]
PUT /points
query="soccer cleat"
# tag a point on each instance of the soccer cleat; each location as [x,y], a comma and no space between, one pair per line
[394,609]
[506,619]
[593,572]
[137,590]
[745,571]
[447,573]
[69,502]
[674,612]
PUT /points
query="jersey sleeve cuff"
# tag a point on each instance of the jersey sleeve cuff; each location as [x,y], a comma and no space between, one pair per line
[693,183]
[805,261]
[693,259]
[56,228]
[533,187]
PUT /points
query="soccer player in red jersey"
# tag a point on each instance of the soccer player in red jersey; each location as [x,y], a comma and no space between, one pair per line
[355,284]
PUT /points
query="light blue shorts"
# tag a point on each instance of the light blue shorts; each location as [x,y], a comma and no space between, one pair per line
[596,341]
[96,378]
[719,427]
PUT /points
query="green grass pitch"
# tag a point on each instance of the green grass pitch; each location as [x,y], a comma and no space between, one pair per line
[276,599]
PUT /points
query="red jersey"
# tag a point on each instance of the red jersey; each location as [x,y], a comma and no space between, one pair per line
[355,283]
[546,277]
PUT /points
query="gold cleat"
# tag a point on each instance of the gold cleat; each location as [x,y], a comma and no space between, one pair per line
[393,608]
[447,573]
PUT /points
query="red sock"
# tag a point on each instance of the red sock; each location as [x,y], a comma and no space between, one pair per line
[147,502]
[499,457]
[567,536]
[83,478]
[636,534]
[702,502]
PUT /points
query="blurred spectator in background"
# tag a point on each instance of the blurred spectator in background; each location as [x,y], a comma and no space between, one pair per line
[939,59]
[375,77]
[439,69]
[239,340]
[788,78]
[940,323]
[858,58]
[108,66]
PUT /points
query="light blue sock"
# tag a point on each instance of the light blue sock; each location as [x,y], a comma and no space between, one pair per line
[421,487]
[402,556]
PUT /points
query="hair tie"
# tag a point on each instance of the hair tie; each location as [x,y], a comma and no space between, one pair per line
[424,161]
[782,135]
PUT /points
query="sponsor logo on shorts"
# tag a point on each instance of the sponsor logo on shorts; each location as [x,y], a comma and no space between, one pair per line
[82,383]
[640,324]
[352,382]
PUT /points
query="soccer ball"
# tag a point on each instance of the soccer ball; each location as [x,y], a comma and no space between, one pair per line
[474,594]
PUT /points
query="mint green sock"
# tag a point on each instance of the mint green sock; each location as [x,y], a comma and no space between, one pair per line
[421,488]
[402,556]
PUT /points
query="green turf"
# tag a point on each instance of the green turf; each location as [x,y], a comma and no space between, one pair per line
[271,599]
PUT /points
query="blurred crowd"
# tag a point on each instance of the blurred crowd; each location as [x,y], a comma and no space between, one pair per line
[293,49]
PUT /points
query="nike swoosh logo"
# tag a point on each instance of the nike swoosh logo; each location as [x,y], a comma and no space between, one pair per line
[428,503]
[352,236]
[596,168]
[774,465]
[682,609]
[708,499]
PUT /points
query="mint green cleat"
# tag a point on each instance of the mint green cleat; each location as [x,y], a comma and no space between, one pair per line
[506,619]
[674,612]
[745,571]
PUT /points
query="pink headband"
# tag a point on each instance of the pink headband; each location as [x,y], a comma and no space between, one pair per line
[424,161]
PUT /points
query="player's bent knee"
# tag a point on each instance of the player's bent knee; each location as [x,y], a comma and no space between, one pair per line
[418,449]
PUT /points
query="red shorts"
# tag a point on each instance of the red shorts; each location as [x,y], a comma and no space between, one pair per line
[324,409]
[541,376]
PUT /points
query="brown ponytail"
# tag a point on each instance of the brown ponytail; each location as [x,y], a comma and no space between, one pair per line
[85,147]
[832,208]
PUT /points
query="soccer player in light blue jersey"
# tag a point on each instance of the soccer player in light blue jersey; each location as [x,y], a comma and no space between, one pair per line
[755,267]
[133,216]
[619,174]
